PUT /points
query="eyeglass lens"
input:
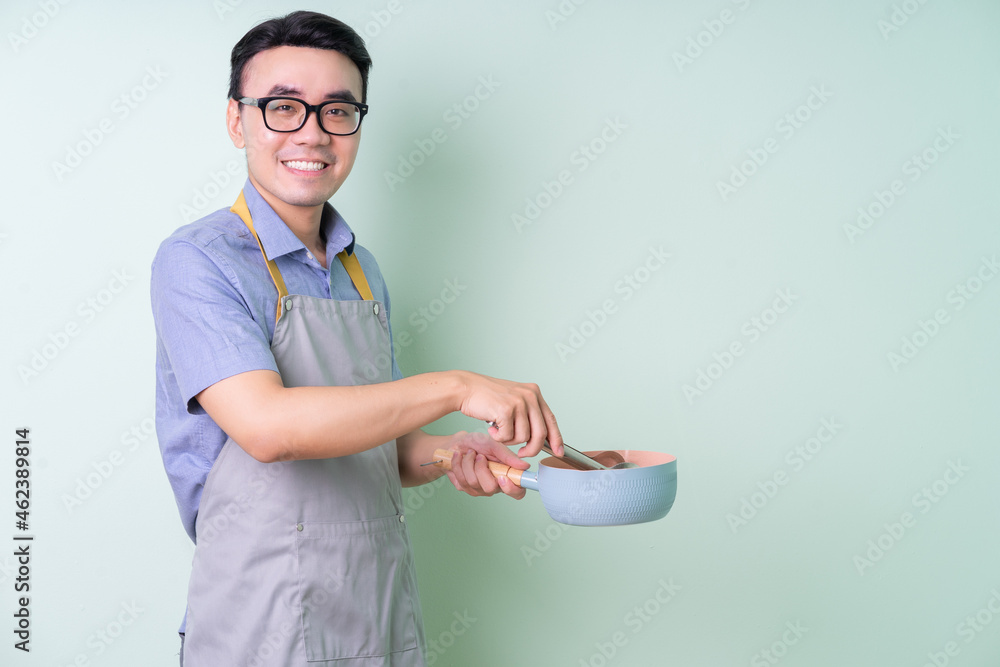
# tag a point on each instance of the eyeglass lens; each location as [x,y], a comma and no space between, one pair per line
[288,115]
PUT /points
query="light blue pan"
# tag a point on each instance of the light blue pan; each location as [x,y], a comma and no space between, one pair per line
[606,497]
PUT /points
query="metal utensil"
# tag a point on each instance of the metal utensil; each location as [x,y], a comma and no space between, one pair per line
[577,459]
[613,460]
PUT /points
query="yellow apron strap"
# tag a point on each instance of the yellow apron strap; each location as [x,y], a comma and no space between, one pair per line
[240,209]
[350,262]
[357,274]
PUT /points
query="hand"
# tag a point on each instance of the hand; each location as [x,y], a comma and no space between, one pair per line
[470,470]
[519,413]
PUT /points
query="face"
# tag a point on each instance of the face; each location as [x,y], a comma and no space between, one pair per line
[283,165]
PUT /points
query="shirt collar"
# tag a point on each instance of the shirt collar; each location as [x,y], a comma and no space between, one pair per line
[279,240]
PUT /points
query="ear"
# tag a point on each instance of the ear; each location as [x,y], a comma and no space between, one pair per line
[234,125]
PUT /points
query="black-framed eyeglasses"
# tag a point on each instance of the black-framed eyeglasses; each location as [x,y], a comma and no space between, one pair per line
[289,114]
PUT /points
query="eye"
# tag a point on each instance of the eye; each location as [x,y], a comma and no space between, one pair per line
[284,107]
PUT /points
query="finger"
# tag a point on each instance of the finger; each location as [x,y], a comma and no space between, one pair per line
[455,468]
[554,435]
[510,488]
[487,481]
[538,429]
[544,429]
[529,423]
[459,475]
[518,431]
[503,430]
[458,469]
[471,479]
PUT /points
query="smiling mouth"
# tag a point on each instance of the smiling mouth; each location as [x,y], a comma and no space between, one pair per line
[305,165]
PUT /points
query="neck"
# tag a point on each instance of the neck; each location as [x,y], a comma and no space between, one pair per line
[304,221]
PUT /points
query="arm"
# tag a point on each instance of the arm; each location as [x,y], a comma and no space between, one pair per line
[221,356]
[277,423]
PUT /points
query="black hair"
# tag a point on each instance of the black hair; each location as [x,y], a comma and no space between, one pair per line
[309,29]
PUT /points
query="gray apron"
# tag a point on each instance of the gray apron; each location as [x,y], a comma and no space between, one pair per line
[307,562]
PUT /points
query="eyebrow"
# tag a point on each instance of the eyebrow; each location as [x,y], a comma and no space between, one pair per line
[283,89]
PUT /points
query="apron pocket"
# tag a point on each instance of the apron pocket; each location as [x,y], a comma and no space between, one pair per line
[356,588]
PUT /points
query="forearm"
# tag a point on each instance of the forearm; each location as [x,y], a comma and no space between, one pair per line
[276,423]
[415,448]
[272,422]
[336,421]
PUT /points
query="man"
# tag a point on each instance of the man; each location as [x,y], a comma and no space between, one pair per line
[285,455]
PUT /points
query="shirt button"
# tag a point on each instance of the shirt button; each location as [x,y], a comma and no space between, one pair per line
[298,527]
[375,308]
[402,519]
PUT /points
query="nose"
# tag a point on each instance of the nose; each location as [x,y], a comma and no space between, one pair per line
[311,132]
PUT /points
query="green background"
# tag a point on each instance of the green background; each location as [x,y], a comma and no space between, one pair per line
[877,550]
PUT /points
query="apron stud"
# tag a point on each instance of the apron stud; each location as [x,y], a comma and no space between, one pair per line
[298,527]
[375,308]
[288,304]
[402,519]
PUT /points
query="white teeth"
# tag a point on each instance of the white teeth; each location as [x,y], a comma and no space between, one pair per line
[304,166]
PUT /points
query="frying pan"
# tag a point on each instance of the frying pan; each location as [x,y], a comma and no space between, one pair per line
[597,497]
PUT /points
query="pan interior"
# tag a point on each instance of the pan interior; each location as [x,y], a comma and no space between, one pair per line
[640,458]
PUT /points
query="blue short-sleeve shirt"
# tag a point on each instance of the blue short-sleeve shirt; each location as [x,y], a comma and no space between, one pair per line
[214,307]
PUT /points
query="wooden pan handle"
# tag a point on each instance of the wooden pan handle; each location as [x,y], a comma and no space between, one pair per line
[498,469]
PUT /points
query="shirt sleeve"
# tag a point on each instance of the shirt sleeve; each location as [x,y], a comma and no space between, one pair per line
[203,323]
